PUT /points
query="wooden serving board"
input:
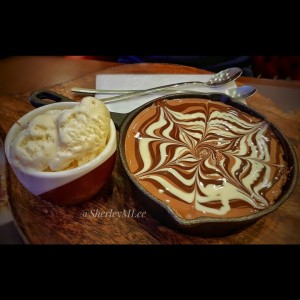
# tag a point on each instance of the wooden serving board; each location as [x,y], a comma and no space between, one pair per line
[98,221]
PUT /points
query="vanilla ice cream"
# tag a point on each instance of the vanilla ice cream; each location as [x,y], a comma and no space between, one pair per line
[62,139]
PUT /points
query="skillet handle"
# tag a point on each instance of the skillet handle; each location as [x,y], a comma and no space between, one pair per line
[42,97]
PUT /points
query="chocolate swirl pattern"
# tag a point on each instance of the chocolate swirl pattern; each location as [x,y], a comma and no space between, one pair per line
[205,158]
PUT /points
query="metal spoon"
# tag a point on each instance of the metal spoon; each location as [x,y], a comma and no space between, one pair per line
[216,80]
[44,97]
[236,94]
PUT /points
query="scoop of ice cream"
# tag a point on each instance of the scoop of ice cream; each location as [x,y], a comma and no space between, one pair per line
[36,145]
[62,139]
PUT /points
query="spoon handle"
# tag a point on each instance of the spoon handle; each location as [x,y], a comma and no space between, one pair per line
[79,90]
[149,91]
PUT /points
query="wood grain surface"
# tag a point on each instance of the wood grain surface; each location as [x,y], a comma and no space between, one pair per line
[43,223]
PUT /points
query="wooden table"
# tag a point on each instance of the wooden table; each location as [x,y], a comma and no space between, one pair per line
[43,223]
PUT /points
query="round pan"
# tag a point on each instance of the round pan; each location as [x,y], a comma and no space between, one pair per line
[205,226]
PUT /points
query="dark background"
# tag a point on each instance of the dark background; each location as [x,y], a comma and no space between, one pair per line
[272,67]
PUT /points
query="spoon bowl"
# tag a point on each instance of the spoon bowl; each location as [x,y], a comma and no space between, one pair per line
[224,77]
[241,92]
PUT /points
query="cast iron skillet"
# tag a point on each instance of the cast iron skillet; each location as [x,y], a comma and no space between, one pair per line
[206,226]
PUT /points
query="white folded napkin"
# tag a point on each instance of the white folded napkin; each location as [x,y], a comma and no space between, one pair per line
[145,81]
